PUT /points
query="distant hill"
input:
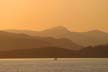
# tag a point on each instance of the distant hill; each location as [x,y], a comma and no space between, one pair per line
[13,41]
[48,52]
[56,52]
[100,51]
[90,38]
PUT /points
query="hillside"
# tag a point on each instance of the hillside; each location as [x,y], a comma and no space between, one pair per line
[100,51]
[90,38]
[12,41]
[55,52]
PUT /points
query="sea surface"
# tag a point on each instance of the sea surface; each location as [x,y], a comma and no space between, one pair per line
[51,65]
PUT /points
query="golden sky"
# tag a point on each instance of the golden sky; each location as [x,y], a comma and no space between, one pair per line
[77,15]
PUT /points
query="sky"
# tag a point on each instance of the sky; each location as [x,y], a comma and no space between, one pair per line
[76,15]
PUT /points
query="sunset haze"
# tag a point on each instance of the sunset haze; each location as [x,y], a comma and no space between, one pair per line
[77,15]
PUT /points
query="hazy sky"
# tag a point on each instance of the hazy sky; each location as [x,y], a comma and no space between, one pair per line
[77,15]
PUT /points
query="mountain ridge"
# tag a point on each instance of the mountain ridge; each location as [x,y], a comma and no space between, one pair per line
[93,37]
[100,51]
[10,41]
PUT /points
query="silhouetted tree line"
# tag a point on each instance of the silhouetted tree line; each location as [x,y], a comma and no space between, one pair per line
[100,51]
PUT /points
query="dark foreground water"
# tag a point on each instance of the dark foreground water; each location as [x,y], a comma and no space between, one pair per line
[49,65]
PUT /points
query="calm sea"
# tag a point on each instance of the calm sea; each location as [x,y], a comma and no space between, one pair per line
[50,65]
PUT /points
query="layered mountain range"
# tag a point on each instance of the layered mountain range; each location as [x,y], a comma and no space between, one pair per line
[54,42]
[90,38]
[13,41]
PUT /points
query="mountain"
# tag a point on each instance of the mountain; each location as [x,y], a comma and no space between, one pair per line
[13,45]
[96,37]
[96,33]
[90,38]
[47,52]
[55,31]
[100,51]
[13,41]
[46,33]
[28,32]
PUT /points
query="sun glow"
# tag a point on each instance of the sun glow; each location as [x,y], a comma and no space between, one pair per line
[78,15]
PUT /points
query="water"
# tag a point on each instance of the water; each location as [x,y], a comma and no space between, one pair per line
[49,65]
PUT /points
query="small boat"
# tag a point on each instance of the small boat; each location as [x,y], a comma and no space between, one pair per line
[55,59]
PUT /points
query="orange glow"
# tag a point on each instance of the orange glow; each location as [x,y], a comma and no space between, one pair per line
[77,15]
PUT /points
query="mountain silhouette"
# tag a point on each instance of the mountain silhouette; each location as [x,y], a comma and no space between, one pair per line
[12,41]
[90,38]
[56,30]
[96,33]
[47,52]
[19,45]
[100,51]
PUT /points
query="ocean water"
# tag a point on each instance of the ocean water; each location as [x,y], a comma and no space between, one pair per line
[50,65]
